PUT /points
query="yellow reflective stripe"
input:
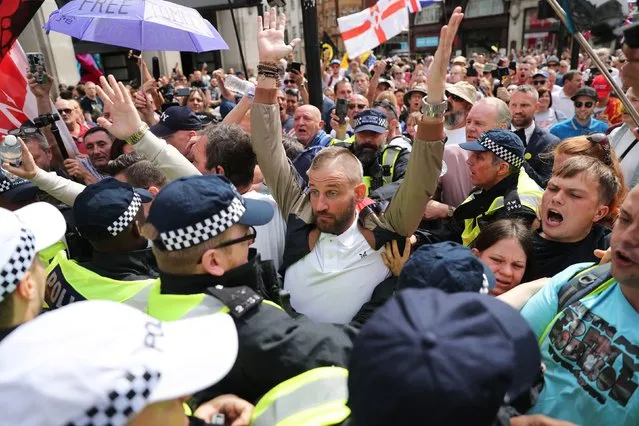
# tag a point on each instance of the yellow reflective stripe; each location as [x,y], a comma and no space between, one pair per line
[593,293]
[273,304]
[324,415]
[47,254]
[309,392]
[172,307]
[187,410]
[396,151]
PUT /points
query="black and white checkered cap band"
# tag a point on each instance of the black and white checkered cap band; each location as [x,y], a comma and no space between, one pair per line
[501,151]
[12,272]
[5,185]
[128,397]
[485,286]
[202,231]
[127,217]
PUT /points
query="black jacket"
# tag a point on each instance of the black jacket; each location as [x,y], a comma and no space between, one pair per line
[273,347]
[537,165]
[134,265]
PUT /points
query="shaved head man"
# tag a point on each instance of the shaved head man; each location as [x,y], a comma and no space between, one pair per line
[308,122]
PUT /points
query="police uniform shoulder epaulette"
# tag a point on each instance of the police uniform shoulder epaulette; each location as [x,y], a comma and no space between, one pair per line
[239,300]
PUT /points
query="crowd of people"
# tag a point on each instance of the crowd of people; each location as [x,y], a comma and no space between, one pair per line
[441,241]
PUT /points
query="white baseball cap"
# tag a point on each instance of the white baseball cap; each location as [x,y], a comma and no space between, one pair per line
[23,233]
[100,363]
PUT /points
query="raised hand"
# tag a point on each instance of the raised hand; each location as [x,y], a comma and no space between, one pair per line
[40,90]
[124,116]
[439,67]
[270,37]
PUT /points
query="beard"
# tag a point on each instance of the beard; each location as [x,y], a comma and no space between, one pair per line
[454,119]
[335,223]
[366,154]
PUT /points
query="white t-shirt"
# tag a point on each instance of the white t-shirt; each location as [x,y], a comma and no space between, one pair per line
[545,120]
[270,238]
[333,281]
[455,136]
[562,104]
[621,138]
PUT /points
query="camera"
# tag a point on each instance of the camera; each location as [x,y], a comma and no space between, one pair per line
[45,120]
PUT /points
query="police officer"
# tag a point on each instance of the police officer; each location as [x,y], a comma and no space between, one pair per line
[382,164]
[109,215]
[201,229]
[502,189]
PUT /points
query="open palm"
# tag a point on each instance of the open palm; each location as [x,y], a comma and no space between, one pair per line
[270,37]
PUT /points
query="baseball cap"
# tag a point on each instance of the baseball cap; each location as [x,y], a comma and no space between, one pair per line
[464,90]
[176,118]
[457,357]
[335,62]
[585,91]
[372,120]
[459,60]
[106,208]
[601,86]
[105,362]
[542,73]
[194,209]
[387,82]
[552,60]
[15,188]
[449,266]
[503,143]
[24,232]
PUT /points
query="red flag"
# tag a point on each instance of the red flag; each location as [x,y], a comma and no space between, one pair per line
[14,16]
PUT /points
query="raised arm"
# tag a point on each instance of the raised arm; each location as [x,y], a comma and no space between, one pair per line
[266,128]
[420,182]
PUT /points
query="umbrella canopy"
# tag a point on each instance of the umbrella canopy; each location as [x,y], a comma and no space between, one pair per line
[137,24]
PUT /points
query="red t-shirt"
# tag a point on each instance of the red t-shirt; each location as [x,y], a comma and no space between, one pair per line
[79,141]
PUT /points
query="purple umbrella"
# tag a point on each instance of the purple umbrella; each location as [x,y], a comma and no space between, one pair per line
[137,24]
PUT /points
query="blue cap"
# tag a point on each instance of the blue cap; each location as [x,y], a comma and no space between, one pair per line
[16,189]
[176,118]
[106,208]
[372,120]
[503,143]
[194,209]
[448,358]
[541,73]
[448,266]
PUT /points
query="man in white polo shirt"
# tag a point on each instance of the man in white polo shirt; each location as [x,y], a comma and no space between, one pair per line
[562,100]
[331,261]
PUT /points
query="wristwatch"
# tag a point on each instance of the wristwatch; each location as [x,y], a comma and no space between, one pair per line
[437,110]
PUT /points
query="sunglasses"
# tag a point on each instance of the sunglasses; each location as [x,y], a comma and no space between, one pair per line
[358,106]
[602,140]
[248,237]
[23,131]
[289,81]
[539,82]
[579,104]
[65,111]
[455,97]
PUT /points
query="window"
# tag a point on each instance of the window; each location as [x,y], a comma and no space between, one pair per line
[477,8]
[429,15]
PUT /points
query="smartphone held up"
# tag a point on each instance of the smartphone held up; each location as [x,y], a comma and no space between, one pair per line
[37,66]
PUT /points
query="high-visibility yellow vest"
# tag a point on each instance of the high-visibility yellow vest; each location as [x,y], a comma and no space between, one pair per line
[47,255]
[389,159]
[314,398]
[68,282]
[529,195]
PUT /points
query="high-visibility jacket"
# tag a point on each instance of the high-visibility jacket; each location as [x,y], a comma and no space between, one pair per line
[314,398]
[390,155]
[68,282]
[529,195]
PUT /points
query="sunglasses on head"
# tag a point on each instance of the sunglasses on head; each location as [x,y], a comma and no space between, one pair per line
[539,82]
[23,131]
[358,106]
[602,140]
[588,104]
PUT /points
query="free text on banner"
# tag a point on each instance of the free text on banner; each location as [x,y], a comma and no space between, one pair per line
[371,27]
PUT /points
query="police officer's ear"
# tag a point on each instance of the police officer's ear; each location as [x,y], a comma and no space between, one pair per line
[154,190]
[212,262]
[360,192]
[503,169]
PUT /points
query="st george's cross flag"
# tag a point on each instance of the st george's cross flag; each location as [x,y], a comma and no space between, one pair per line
[365,30]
